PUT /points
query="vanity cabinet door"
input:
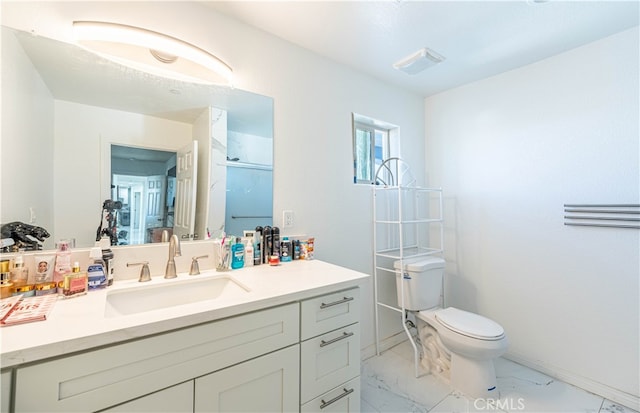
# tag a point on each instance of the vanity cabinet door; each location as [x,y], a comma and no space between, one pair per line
[265,384]
[176,399]
[5,388]
[105,377]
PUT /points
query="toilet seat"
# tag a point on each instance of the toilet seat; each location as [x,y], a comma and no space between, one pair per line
[469,324]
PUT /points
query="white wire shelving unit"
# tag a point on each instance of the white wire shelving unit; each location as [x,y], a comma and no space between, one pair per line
[407,224]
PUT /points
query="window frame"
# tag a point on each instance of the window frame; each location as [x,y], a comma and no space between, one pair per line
[374,128]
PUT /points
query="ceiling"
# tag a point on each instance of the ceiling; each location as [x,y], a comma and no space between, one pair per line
[479,39]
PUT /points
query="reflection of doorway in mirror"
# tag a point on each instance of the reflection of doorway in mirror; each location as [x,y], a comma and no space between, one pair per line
[141,177]
[129,190]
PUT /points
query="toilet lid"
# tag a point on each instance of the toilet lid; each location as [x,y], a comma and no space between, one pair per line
[469,324]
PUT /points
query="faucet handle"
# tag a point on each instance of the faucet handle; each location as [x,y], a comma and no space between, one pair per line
[145,274]
[195,268]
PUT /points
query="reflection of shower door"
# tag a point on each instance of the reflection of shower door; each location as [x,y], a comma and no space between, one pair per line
[186,183]
[155,193]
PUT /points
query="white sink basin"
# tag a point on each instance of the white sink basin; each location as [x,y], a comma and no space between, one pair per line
[165,294]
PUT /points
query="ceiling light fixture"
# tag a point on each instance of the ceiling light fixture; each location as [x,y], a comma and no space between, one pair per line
[152,52]
[418,61]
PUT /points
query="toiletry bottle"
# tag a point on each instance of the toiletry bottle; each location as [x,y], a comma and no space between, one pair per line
[6,286]
[19,272]
[275,234]
[107,257]
[310,248]
[74,284]
[296,249]
[257,252]
[248,252]
[237,254]
[285,250]
[96,271]
[267,240]
[63,261]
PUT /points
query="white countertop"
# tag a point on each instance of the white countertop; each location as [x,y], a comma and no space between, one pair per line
[79,323]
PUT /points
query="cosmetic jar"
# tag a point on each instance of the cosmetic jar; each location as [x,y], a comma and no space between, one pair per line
[46,288]
[28,290]
[274,260]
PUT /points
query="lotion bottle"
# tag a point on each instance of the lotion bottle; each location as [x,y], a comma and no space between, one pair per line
[248,252]
[19,272]
[63,261]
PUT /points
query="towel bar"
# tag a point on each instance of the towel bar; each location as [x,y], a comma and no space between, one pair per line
[603,215]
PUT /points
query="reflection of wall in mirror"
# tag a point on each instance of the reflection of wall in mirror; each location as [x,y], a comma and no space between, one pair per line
[83,128]
[249,200]
[27,125]
[75,123]
[250,148]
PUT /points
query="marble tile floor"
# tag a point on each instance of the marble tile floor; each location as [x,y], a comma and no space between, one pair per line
[388,384]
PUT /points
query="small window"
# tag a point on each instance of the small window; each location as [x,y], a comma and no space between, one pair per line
[371,145]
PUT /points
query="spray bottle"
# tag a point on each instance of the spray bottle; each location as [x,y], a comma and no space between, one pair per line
[258,252]
[267,240]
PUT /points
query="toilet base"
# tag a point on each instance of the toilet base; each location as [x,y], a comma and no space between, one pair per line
[435,357]
[474,378]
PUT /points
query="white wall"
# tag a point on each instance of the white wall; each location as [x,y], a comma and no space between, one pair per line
[27,123]
[509,151]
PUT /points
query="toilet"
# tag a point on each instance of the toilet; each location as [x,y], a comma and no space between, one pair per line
[457,345]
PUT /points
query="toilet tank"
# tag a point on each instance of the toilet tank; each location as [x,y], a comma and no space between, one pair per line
[422,282]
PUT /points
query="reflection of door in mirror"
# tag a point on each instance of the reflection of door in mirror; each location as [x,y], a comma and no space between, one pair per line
[156,208]
[129,191]
[186,188]
[139,180]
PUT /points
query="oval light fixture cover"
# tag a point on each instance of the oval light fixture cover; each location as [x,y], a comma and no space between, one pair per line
[152,52]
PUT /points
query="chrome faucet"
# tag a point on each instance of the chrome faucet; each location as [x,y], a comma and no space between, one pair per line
[174,251]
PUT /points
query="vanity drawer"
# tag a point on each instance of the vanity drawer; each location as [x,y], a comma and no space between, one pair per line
[328,312]
[105,377]
[344,398]
[328,360]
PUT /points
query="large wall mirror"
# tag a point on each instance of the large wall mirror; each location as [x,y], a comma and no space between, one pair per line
[78,130]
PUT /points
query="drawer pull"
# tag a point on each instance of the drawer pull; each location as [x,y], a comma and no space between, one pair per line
[344,300]
[342,337]
[335,399]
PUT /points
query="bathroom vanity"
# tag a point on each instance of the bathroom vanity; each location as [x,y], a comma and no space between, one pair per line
[289,342]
